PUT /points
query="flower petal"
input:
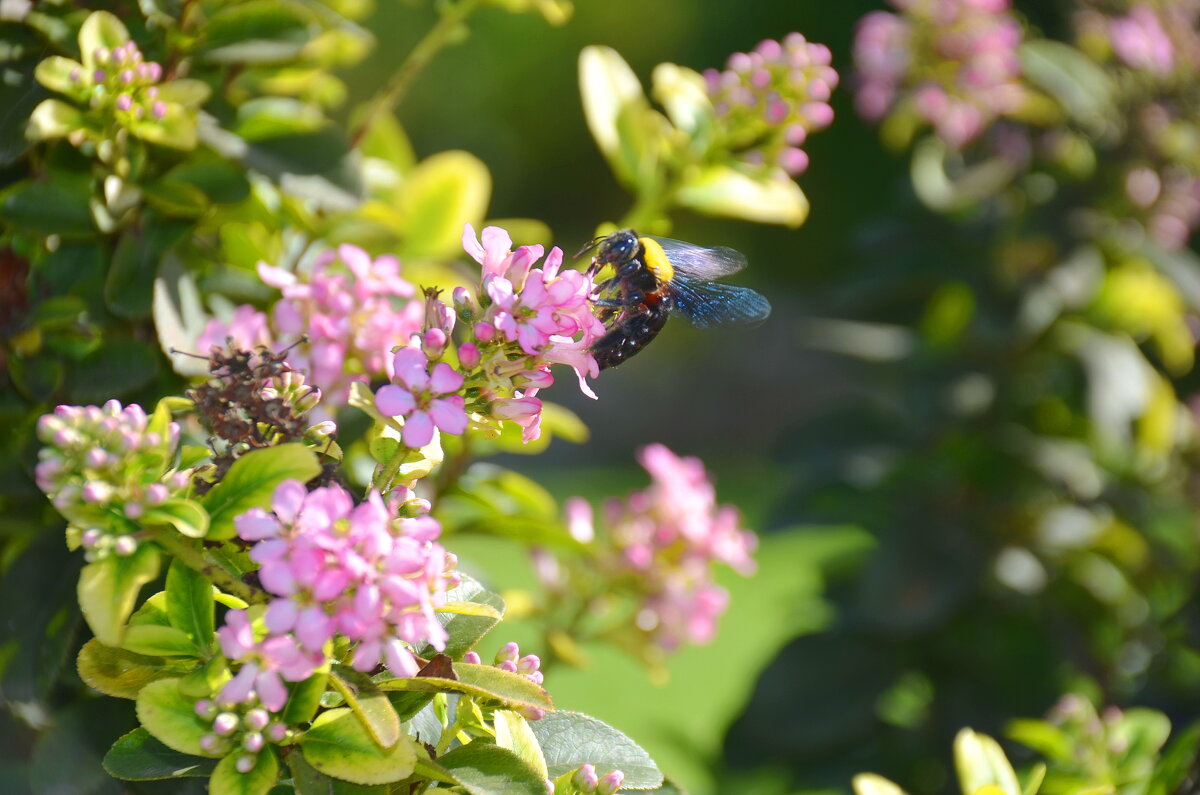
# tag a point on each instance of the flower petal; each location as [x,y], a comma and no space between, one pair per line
[449,414]
[418,430]
[445,379]
[393,401]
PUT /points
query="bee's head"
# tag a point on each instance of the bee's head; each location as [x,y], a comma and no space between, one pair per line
[618,248]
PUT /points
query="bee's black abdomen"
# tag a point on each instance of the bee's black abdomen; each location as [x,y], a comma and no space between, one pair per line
[630,335]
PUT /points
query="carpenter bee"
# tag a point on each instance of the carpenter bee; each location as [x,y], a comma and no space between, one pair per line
[656,276]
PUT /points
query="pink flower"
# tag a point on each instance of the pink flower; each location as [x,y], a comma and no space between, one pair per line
[247,327]
[1140,41]
[425,400]
[264,663]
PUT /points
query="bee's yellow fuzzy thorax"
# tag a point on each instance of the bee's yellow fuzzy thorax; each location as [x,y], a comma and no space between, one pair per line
[656,260]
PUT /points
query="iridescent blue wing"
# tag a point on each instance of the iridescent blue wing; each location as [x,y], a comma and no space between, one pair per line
[708,304]
[698,262]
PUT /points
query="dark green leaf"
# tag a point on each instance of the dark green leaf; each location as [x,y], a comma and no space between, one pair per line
[570,739]
[115,369]
[130,285]
[251,482]
[221,182]
[338,745]
[259,31]
[190,603]
[485,769]
[37,378]
[176,199]
[18,97]
[305,697]
[56,206]
[309,781]
[138,756]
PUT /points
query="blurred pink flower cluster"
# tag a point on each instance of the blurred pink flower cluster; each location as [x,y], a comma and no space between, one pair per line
[1139,40]
[668,537]
[353,308]
[372,573]
[509,659]
[102,459]
[952,62]
[521,320]
[769,99]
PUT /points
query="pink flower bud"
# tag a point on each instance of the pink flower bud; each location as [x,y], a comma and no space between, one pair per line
[95,458]
[91,537]
[509,666]
[795,134]
[509,652]
[96,492]
[126,77]
[739,62]
[256,719]
[74,76]
[769,49]
[152,92]
[156,494]
[98,76]
[205,709]
[134,510]
[124,102]
[211,743]
[225,724]
[585,778]
[793,161]
[124,546]
[154,71]
[101,55]
[245,763]
[468,355]
[610,783]
[532,713]
[277,732]
[158,109]
[433,343]
[472,657]
[528,664]
[484,332]
[253,742]
[818,114]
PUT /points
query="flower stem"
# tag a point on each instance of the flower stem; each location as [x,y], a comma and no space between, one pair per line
[385,477]
[389,97]
[189,554]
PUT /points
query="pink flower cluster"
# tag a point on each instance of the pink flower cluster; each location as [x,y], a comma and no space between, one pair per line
[371,573]
[97,459]
[1171,200]
[509,659]
[1140,41]
[769,99]
[953,62]
[354,310]
[125,80]
[521,321]
[669,536]
[244,729]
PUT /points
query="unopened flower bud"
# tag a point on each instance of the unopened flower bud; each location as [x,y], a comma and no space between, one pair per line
[158,109]
[472,657]
[156,494]
[468,355]
[205,709]
[134,510]
[433,343]
[509,652]
[610,782]
[97,491]
[98,76]
[585,778]
[256,719]
[528,664]
[125,546]
[277,732]
[253,742]
[211,743]
[225,724]
[484,332]
[124,102]
[245,763]
[463,303]
[101,55]
[508,665]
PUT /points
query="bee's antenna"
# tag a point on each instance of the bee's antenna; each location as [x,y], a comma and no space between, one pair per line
[595,241]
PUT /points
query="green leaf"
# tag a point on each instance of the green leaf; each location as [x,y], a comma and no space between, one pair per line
[1047,739]
[19,96]
[722,190]
[129,288]
[309,781]
[120,673]
[175,199]
[444,192]
[190,604]
[56,206]
[980,761]
[108,589]
[465,631]
[190,94]
[156,641]
[259,31]
[179,317]
[481,681]
[338,745]
[101,30]
[164,712]
[221,182]
[117,368]
[304,698]
[471,609]
[1081,85]
[570,739]
[138,756]
[226,780]
[55,74]
[251,482]
[184,515]
[513,732]
[485,769]
[609,89]
[369,703]
[53,119]
[176,129]
[871,784]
